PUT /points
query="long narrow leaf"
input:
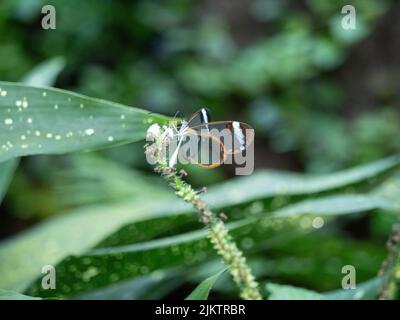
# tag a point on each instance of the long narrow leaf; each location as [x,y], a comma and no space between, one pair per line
[103,266]
[51,241]
[11,295]
[53,121]
[43,75]
[202,291]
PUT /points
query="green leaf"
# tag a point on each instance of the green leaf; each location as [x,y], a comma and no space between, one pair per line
[44,74]
[6,172]
[202,291]
[151,287]
[322,253]
[351,203]
[11,295]
[78,182]
[54,121]
[364,291]
[103,266]
[286,292]
[267,183]
[51,241]
[341,204]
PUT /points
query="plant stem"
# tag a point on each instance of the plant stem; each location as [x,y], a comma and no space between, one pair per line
[390,270]
[219,236]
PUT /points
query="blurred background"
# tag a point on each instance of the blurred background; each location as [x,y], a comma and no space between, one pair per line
[320,98]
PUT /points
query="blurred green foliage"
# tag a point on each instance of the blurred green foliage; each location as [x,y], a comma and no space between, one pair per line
[179,55]
[282,66]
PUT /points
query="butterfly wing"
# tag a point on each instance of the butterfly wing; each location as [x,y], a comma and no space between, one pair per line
[203,116]
[235,136]
[202,148]
[208,143]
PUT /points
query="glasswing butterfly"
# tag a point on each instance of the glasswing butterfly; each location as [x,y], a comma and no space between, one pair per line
[209,144]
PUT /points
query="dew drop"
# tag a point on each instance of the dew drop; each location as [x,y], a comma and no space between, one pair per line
[110,138]
[318,222]
[90,273]
[8,121]
[89,131]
